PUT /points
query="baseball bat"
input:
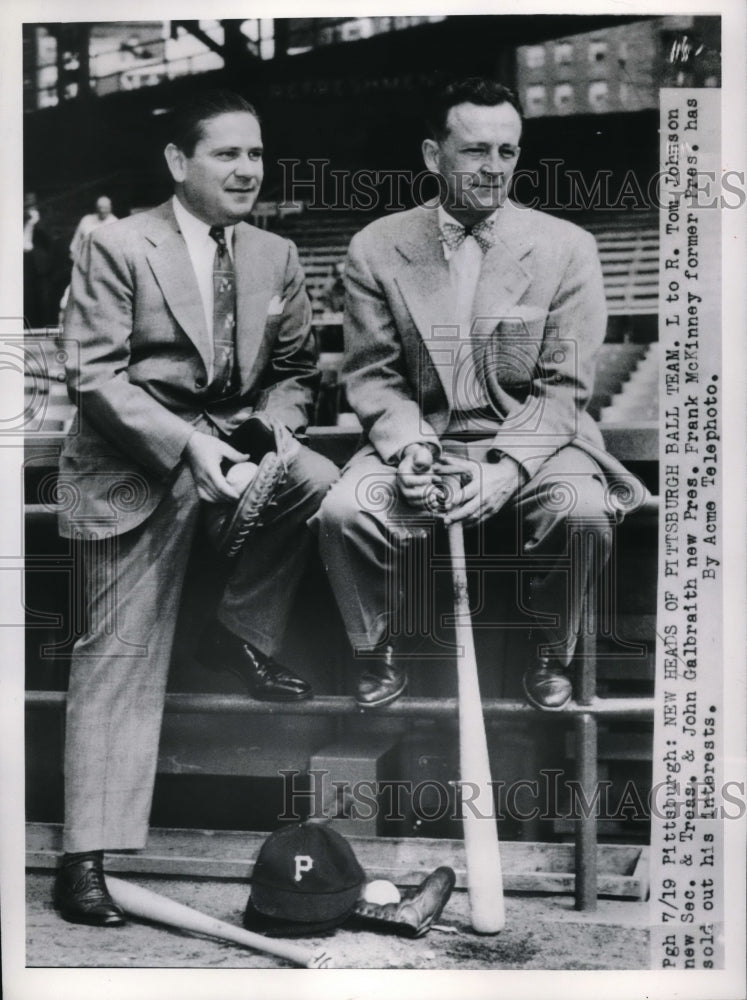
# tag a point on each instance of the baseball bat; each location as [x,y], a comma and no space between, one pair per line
[484,877]
[149,905]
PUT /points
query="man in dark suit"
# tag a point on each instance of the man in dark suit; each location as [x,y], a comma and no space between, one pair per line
[184,323]
[471,326]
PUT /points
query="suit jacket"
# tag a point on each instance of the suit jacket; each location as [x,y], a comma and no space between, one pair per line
[138,354]
[539,319]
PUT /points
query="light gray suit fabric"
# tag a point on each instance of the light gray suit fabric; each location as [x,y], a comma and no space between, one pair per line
[139,353]
[538,320]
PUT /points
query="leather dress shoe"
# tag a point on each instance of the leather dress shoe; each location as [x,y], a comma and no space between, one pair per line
[81,896]
[266,680]
[547,686]
[382,682]
[419,908]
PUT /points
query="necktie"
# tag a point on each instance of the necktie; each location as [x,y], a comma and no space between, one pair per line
[452,235]
[224,313]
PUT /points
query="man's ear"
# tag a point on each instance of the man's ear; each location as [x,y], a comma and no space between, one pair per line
[175,160]
[430,154]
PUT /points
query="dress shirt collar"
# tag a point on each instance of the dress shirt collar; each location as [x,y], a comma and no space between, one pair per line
[194,230]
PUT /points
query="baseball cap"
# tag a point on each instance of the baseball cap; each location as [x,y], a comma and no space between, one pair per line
[306,881]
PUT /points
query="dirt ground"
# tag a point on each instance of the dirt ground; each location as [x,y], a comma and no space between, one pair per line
[542,932]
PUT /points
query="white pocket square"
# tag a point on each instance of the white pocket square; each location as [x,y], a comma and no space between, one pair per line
[276,306]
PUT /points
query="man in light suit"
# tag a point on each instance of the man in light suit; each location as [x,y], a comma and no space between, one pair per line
[184,324]
[471,327]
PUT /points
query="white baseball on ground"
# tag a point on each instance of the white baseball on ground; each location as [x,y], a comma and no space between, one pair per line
[241,474]
[381,891]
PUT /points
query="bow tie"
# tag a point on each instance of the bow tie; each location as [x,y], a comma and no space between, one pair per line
[452,235]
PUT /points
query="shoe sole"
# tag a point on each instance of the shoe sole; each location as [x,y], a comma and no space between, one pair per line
[306,696]
[285,697]
[545,708]
[75,918]
[382,701]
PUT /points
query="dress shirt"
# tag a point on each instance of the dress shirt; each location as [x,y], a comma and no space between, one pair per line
[465,388]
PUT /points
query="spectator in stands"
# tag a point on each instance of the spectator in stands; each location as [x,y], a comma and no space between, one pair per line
[37,265]
[471,326]
[187,324]
[101,217]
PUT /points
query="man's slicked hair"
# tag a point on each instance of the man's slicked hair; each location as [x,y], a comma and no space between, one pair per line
[185,123]
[474,90]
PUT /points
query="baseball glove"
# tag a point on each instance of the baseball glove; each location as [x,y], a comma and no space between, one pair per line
[418,909]
[230,525]
[259,435]
[270,446]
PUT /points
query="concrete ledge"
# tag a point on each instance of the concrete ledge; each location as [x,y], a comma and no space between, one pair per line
[527,867]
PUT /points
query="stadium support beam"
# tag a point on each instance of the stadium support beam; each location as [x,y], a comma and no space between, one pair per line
[72,59]
[281,34]
[234,51]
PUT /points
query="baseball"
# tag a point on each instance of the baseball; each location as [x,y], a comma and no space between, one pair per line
[381,891]
[241,474]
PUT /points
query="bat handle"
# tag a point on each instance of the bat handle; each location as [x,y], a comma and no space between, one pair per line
[320,960]
[294,953]
[463,624]
[291,952]
[149,905]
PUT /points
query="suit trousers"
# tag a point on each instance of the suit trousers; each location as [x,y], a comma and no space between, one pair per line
[133,585]
[552,538]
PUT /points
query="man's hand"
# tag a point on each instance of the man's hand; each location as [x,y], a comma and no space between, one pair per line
[485,487]
[415,475]
[204,454]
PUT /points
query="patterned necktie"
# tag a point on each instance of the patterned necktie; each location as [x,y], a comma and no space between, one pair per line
[224,313]
[452,235]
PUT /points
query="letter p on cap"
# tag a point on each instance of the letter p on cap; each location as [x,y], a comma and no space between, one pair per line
[304,863]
